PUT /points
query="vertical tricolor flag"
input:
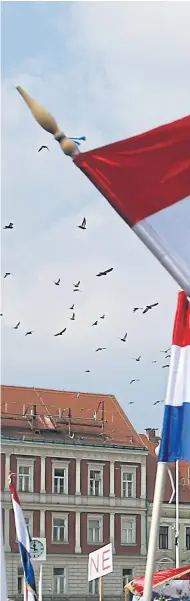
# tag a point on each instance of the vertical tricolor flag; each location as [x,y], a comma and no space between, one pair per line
[140,177]
[23,543]
[175,442]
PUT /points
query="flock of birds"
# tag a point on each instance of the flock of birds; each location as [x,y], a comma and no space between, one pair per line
[76,288]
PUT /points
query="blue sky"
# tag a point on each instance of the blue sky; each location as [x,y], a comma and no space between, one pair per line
[107,71]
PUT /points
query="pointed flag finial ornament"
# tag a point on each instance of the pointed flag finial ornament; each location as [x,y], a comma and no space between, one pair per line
[47,122]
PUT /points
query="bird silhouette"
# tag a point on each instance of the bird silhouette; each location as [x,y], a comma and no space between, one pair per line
[7,274]
[29,332]
[148,307]
[77,284]
[43,147]
[61,332]
[137,358]
[87,371]
[102,316]
[137,309]
[1,314]
[166,351]
[9,227]
[154,361]
[156,402]
[73,317]
[167,356]
[57,282]
[134,380]
[131,403]
[72,307]
[101,348]
[17,326]
[163,366]
[124,338]
[95,323]
[83,225]
[101,273]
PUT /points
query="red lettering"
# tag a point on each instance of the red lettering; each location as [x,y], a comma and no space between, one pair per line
[105,560]
[94,565]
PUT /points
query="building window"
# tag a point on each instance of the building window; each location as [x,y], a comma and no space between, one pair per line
[24,475]
[20,581]
[29,524]
[94,530]
[94,587]
[127,484]
[127,576]
[59,581]
[188,538]
[59,481]
[95,483]
[128,481]
[163,537]
[60,529]
[128,531]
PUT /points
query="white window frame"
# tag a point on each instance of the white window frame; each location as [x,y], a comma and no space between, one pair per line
[92,585]
[62,567]
[60,516]
[96,467]
[22,462]
[129,469]
[60,465]
[29,515]
[169,526]
[19,576]
[100,519]
[185,528]
[129,518]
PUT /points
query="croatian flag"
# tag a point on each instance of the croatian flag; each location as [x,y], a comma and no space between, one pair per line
[142,176]
[175,442]
[23,543]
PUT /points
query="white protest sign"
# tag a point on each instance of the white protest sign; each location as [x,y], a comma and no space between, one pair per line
[100,562]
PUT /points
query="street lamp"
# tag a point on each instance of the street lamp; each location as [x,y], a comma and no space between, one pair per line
[47,122]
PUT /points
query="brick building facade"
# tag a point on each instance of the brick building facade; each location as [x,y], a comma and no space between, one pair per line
[80,469]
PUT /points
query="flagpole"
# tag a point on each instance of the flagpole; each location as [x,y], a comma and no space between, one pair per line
[177,515]
[152,240]
[40,583]
[154,529]
[4,593]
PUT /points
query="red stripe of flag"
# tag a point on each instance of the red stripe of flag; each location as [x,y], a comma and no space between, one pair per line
[143,174]
[13,488]
[181,331]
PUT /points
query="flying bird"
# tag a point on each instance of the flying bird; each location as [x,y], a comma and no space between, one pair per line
[57,282]
[95,323]
[154,361]
[166,351]
[124,338]
[7,274]
[77,284]
[60,333]
[148,307]
[1,314]
[17,326]
[137,309]
[98,275]
[29,333]
[134,380]
[156,402]
[71,308]
[9,227]
[137,358]
[102,316]
[131,403]
[167,356]
[87,371]
[83,225]
[73,317]
[163,366]
[43,147]
[101,348]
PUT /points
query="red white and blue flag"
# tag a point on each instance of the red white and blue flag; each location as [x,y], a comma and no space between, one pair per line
[175,442]
[23,543]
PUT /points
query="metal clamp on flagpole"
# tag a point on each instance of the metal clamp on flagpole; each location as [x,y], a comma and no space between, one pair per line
[152,240]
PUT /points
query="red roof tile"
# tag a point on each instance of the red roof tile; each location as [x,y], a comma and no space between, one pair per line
[97,417]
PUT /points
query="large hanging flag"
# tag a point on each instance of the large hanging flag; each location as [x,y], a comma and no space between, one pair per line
[23,543]
[4,594]
[140,177]
[175,441]
[165,582]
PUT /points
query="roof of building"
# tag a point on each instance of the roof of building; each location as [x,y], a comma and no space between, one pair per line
[59,415]
[184,473]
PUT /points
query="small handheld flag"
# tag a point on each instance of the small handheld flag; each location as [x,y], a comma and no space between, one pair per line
[175,442]
[23,543]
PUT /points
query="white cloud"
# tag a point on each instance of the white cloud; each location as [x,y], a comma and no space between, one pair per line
[122,76]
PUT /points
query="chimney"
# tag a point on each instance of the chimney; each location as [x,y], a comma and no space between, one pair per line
[150,433]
